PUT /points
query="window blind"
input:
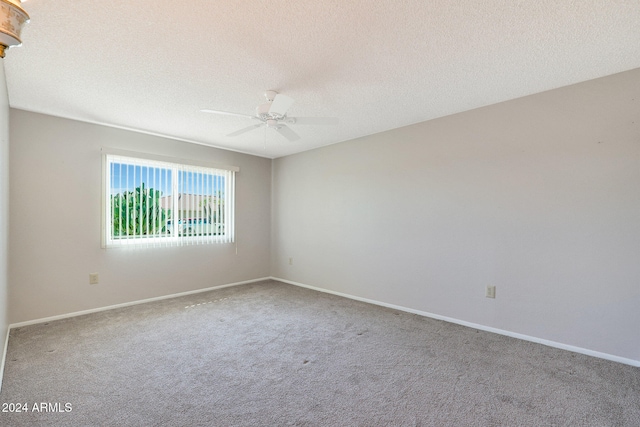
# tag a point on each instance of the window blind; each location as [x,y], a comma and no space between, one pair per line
[157,203]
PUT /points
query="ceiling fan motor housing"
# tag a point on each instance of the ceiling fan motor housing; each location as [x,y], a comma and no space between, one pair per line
[262,111]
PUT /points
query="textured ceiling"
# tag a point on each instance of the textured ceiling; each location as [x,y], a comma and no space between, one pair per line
[151,65]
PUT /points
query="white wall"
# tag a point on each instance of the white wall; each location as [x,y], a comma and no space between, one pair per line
[539,196]
[55,196]
[4,213]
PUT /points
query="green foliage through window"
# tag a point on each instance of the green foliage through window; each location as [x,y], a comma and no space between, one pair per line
[138,213]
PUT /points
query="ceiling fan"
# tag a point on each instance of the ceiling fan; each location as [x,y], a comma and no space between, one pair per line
[273,115]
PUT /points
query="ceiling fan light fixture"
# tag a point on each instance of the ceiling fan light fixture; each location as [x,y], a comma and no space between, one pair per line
[12,18]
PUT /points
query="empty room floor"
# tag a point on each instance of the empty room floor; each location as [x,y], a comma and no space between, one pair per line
[270,353]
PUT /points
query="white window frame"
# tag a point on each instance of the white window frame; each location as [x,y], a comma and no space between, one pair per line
[177,166]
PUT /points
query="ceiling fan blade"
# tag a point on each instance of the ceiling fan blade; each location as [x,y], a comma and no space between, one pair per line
[288,133]
[227,113]
[280,105]
[314,120]
[244,130]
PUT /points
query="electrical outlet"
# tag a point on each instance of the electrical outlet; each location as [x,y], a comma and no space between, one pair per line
[290,261]
[490,292]
[93,278]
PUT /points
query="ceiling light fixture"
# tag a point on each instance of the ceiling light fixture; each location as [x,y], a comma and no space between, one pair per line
[12,17]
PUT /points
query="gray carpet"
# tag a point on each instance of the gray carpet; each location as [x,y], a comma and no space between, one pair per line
[271,354]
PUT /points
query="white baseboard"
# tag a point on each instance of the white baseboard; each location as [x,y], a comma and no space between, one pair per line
[4,356]
[127,304]
[554,344]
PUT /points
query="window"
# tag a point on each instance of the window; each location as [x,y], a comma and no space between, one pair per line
[162,203]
